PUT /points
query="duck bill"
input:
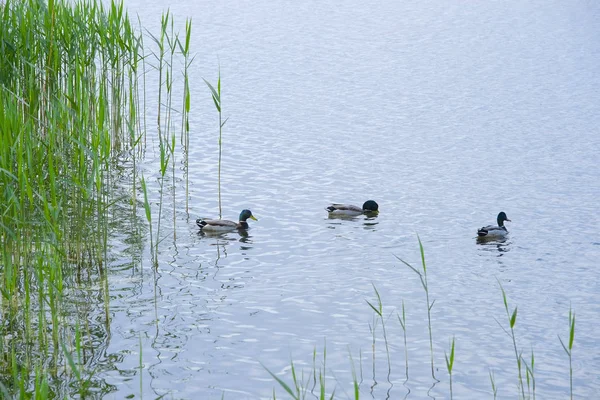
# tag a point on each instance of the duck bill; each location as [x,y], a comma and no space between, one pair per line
[252,217]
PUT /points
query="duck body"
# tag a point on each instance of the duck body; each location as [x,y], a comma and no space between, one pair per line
[369,207]
[223,225]
[495,230]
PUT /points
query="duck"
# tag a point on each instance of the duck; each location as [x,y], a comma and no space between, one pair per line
[495,230]
[369,207]
[223,225]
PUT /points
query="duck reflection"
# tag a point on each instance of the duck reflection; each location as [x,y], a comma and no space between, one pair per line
[502,245]
[224,238]
[370,220]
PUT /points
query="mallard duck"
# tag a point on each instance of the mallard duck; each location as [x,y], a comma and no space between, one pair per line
[493,230]
[225,225]
[370,207]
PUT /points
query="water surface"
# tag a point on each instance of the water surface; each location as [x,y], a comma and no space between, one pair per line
[445,114]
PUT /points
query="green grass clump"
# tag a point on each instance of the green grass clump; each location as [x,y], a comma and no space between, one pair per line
[68,107]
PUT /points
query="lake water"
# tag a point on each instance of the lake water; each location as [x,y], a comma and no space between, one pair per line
[445,113]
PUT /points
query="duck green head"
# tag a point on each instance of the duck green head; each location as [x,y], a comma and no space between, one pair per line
[245,214]
[370,206]
[501,218]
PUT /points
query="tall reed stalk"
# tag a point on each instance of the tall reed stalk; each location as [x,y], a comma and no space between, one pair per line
[379,311]
[216,96]
[185,115]
[402,321]
[569,349]
[512,320]
[423,278]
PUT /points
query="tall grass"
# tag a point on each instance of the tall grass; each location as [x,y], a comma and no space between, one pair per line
[512,320]
[216,96]
[423,278]
[568,348]
[69,113]
[378,309]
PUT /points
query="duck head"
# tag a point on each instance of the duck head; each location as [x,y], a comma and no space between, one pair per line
[370,206]
[501,218]
[245,214]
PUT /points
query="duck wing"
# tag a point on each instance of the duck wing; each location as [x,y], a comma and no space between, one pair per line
[216,224]
[492,230]
[344,208]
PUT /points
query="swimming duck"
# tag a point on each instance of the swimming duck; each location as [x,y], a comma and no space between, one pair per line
[223,225]
[492,230]
[370,207]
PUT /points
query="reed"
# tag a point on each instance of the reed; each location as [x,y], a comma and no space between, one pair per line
[450,356]
[298,389]
[379,311]
[569,349]
[185,115]
[216,96]
[423,278]
[450,364]
[493,383]
[69,113]
[512,320]
[530,376]
[402,321]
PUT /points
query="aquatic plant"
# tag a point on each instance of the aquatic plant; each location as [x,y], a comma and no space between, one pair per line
[424,284]
[299,388]
[379,311]
[402,321]
[216,96]
[450,363]
[512,320]
[70,121]
[569,348]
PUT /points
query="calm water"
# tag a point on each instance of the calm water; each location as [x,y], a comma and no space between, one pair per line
[445,114]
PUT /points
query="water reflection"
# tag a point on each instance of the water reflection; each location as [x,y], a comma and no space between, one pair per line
[370,220]
[244,237]
[502,245]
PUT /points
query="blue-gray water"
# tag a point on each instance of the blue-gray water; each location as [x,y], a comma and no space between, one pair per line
[443,112]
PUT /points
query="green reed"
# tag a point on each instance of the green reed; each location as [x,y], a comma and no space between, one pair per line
[68,110]
[529,374]
[216,96]
[493,383]
[298,390]
[185,115]
[169,47]
[450,363]
[402,321]
[423,277]
[512,320]
[379,311]
[569,348]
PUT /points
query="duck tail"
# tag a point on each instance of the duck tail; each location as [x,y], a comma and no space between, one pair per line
[201,223]
[482,232]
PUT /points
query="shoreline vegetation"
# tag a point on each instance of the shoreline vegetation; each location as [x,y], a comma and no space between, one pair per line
[72,117]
